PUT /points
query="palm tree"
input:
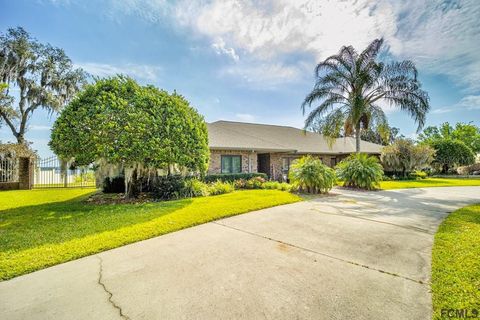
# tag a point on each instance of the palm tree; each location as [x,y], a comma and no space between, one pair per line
[350,87]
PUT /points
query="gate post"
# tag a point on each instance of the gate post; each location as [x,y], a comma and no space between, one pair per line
[25,173]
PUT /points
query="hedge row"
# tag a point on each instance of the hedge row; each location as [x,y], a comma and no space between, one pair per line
[231,177]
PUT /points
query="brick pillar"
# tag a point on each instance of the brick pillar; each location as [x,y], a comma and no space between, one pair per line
[25,173]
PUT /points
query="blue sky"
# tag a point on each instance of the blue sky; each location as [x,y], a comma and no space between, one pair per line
[253,60]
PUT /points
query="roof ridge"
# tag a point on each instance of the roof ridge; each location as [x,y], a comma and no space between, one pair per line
[258,124]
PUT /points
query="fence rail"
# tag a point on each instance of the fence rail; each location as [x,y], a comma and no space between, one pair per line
[52,173]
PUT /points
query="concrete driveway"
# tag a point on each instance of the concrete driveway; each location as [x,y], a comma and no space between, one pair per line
[354,255]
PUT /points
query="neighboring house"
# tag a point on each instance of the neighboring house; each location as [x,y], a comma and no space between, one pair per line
[247,147]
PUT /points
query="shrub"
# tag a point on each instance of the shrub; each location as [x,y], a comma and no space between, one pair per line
[168,187]
[219,187]
[114,185]
[418,174]
[311,175]
[468,169]
[360,171]
[232,177]
[255,183]
[272,185]
[194,188]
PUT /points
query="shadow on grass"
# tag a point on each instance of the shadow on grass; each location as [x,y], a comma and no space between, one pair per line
[32,226]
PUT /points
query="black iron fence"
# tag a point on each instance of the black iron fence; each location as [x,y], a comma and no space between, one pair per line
[53,173]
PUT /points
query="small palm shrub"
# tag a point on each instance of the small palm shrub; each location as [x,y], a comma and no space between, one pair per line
[219,187]
[309,174]
[194,188]
[360,171]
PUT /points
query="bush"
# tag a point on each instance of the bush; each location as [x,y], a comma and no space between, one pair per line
[275,185]
[311,175]
[194,188]
[219,187]
[114,185]
[232,177]
[360,171]
[418,175]
[468,169]
[168,187]
[255,183]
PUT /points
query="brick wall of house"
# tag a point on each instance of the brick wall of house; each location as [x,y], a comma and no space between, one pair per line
[276,162]
[249,160]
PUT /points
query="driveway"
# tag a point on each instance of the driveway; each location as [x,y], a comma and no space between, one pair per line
[352,255]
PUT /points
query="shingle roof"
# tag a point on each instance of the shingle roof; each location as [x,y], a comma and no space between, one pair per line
[230,135]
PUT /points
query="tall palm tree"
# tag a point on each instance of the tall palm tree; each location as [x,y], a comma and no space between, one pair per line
[350,87]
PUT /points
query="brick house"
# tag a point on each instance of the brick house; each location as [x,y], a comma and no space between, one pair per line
[247,147]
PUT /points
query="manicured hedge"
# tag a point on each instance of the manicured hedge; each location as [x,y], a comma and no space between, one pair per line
[231,177]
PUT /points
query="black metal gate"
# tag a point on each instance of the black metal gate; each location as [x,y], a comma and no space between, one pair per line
[53,173]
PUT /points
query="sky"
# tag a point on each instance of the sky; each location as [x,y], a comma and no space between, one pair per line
[253,61]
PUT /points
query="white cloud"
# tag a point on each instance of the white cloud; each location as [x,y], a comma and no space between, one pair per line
[246,117]
[35,127]
[139,71]
[471,102]
[264,75]
[442,37]
[220,48]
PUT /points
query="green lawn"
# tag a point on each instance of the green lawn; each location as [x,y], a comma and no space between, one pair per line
[456,262]
[429,182]
[41,228]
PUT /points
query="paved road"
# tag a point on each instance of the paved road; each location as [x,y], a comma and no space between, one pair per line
[355,255]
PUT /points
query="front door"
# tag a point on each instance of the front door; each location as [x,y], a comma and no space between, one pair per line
[264,163]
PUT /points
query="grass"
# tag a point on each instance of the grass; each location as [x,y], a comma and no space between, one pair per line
[456,262]
[41,228]
[429,182]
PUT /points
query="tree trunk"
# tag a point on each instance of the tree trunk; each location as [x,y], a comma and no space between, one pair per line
[357,139]
[20,138]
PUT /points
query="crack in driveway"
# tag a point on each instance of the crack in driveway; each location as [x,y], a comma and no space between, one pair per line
[321,253]
[110,294]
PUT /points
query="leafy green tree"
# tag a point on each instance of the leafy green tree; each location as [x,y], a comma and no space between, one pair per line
[404,156]
[468,133]
[450,153]
[44,76]
[360,171]
[142,130]
[350,87]
[311,175]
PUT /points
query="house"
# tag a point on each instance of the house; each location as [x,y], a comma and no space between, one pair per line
[249,147]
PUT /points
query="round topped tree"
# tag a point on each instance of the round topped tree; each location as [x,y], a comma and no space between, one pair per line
[139,130]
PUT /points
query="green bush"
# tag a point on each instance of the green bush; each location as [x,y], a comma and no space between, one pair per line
[168,187]
[311,175]
[114,185]
[418,174]
[232,177]
[274,185]
[360,171]
[194,188]
[219,187]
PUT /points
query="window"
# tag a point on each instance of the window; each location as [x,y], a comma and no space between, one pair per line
[231,164]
